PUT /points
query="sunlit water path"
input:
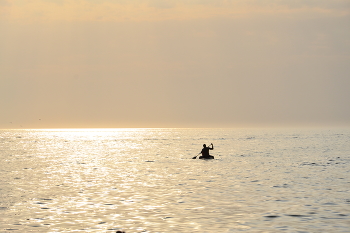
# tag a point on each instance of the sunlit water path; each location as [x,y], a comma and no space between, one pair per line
[145,180]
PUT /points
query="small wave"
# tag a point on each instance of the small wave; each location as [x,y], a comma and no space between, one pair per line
[297,215]
[272,216]
[311,164]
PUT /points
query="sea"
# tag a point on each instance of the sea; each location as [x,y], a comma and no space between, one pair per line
[146,180]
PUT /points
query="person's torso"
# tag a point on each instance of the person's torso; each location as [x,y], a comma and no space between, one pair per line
[205,151]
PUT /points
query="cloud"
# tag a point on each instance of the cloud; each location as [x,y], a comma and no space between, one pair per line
[156,10]
[4,3]
[162,4]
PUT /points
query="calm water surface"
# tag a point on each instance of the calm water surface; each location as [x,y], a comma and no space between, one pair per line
[145,180]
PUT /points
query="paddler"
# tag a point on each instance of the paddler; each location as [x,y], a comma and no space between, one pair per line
[205,152]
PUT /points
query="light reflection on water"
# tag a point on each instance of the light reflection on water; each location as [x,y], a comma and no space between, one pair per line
[144,180]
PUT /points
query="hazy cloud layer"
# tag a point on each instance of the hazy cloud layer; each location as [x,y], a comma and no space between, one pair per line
[154,10]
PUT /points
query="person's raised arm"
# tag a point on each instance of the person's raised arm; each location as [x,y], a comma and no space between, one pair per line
[212,146]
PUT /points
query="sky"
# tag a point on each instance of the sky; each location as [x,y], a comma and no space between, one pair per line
[174,63]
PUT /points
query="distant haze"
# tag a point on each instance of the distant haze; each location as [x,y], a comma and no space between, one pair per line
[174,63]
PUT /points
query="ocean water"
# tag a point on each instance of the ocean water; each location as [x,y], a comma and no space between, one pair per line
[145,180]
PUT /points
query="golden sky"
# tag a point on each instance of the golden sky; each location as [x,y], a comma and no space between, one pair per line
[167,63]
[155,10]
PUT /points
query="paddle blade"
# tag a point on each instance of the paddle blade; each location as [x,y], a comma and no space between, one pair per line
[194,157]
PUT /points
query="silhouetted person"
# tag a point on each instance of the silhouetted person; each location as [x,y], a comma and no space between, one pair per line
[205,152]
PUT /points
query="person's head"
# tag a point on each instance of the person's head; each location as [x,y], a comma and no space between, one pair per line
[204,145]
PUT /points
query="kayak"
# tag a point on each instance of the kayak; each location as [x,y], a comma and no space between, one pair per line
[210,157]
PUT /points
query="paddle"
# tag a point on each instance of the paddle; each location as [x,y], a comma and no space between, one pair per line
[196,156]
